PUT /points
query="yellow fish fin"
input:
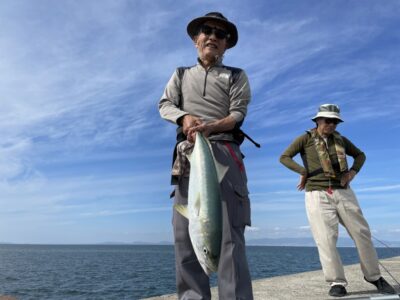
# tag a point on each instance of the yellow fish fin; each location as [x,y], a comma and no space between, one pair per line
[182,209]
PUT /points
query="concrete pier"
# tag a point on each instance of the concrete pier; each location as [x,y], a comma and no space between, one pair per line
[311,285]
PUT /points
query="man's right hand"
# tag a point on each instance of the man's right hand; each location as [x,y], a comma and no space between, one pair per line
[302,182]
[187,122]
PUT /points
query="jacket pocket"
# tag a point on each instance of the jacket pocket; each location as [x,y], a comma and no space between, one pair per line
[241,206]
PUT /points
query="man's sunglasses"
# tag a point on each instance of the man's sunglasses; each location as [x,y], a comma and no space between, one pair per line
[219,33]
[331,121]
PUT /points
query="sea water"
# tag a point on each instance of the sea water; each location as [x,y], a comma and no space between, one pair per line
[30,272]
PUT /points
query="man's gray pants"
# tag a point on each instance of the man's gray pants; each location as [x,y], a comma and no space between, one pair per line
[234,280]
[325,212]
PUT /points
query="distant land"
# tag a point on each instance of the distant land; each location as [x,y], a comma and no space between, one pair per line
[294,242]
[288,242]
[309,242]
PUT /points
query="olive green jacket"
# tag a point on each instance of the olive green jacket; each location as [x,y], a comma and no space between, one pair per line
[316,180]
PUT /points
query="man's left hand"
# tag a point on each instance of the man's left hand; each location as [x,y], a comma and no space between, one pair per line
[347,178]
[205,128]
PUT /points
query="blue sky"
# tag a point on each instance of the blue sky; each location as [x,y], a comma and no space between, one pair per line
[85,156]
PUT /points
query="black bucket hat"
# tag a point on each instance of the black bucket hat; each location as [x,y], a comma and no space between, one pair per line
[193,27]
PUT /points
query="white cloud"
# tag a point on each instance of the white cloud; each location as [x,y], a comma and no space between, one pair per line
[80,131]
[11,158]
[252,229]
[380,188]
[106,213]
[306,227]
[80,196]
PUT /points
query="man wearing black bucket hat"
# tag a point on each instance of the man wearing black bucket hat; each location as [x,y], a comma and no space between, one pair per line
[330,200]
[211,98]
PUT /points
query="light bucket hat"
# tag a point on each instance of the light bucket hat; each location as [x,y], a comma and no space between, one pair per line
[331,111]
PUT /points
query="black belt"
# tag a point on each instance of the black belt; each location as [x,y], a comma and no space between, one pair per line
[320,171]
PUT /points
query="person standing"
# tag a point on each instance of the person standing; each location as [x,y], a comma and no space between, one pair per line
[329,199]
[212,98]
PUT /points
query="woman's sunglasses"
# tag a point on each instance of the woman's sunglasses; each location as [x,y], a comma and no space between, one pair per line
[219,33]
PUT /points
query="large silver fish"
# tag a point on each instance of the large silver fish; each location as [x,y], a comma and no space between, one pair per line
[204,209]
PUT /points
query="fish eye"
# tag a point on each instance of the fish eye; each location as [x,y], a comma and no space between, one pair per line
[205,251]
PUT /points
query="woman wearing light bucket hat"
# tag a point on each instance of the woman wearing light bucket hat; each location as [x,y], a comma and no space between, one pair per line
[210,98]
[329,199]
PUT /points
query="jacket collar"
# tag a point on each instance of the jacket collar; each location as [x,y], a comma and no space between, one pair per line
[217,64]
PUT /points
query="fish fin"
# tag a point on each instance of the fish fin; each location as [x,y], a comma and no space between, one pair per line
[182,209]
[189,156]
[221,170]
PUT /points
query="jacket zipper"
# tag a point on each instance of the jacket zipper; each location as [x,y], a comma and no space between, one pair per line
[205,83]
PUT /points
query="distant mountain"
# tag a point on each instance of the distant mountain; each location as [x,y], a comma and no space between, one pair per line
[309,242]
[165,243]
[152,243]
[113,243]
[306,242]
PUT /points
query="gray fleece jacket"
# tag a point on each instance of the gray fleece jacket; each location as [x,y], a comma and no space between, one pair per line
[209,94]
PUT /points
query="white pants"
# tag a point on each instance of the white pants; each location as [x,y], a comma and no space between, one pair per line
[325,212]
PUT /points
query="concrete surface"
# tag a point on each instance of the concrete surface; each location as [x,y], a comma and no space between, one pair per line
[311,285]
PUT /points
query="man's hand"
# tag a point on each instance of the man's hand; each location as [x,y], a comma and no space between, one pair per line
[205,128]
[347,178]
[188,122]
[302,182]
[192,124]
